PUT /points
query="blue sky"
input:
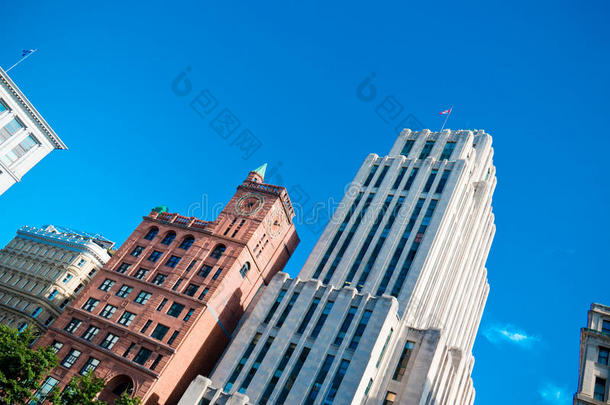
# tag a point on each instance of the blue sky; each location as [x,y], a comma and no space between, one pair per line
[532,74]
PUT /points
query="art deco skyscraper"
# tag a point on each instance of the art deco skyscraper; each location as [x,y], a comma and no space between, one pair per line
[594,373]
[387,306]
[163,308]
[25,137]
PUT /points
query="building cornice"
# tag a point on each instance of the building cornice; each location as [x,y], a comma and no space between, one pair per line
[34,114]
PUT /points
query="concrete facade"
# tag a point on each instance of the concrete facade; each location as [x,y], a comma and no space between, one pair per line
[594,372]
[25,137]
[163,308]
[42,269]
[409,239]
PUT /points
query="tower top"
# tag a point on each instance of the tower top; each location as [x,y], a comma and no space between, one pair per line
[258,175]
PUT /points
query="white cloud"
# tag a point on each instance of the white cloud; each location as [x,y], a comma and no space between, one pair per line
[498,334]
[555,395]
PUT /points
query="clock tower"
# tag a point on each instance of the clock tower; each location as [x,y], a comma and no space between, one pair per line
[164,307]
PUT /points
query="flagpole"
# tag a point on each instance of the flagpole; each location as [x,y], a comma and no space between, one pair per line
[21,60]
[446,118]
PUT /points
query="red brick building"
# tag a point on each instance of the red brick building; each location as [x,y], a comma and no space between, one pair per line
[161,311]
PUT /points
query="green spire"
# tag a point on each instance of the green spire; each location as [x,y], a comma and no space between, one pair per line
[160,209]
[261,170]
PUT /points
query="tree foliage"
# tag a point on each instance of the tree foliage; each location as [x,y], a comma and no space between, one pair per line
[81,390]
[22,368]
[125,399]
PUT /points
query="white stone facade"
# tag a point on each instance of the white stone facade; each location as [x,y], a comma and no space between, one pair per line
[594,373]
[25,137]
[41,269]
[410,238]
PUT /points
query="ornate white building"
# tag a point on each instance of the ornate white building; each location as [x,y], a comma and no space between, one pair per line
[594,373]
[25,137]
[41,269]
[388,304]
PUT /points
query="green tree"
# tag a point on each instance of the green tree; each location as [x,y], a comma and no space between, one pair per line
[81,390]
[21,367]
[127,400]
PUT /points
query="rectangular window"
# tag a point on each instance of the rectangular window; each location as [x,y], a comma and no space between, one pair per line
[129,349]
[203,293]
[403,361]
[137,251]
[188,315]
[142,356]
[172,337]
[345,325]
[109,341]
[599,391]
[67,278]
[190,266]
[441,183]
[175,287]
[430,180]
[204,271]
[286,311]
[385,346]
[142,297]
[90,333]
[71,358]
[108,311]
[173,261]
[407,148]
[159,332]
[381,176]
[606,327]
[336,382]
[106,285]
[277,302]
[45,389]
[3,106]
[390,397]
[308,315]
[401,174]
[320,378]
[425,152]
[277,375]
[159,279]
[156,362]
[370,176]
[146,326]
[296,369]
[448,150]
[257,363]
[36,312]
[73,325]
[217,274]
[123,268]
[52,295]
[175,310]
[360,329]
[162,304]
[56,346]
[89,366]
[602,356]
[90,304]
[154,256]
[191,289]
[242,362]
[20,150]
[140,274]
[127,318]
[124,291]
[322,319]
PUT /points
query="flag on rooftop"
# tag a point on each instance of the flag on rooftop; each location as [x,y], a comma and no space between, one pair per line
[446,112]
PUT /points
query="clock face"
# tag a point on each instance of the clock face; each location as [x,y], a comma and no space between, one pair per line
[249,204]
[275,222]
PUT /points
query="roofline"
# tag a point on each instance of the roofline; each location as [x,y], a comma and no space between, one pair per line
[59,144]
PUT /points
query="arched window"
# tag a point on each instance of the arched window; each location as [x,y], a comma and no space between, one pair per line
[152,232]
[187,243]
[244,269]
[218,251]
[169,238]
